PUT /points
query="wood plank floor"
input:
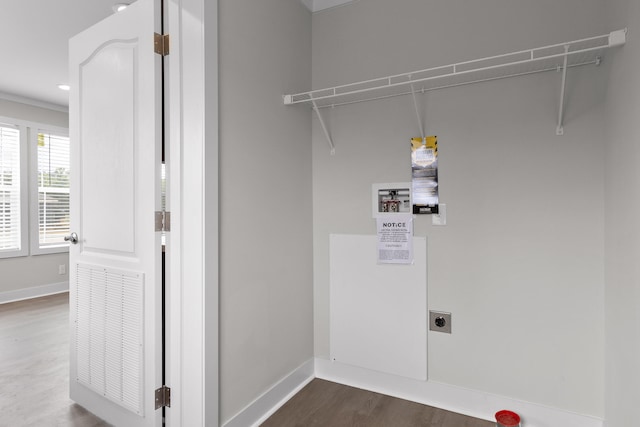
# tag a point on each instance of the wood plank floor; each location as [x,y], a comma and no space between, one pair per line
[34,383]
[327,404]
[34,366]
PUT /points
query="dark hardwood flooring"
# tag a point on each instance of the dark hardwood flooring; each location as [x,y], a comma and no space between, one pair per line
[327,404]
[34,366]
[34,383]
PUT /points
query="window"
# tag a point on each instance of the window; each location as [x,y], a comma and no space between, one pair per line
[51,172]
[34,189]
[12,199]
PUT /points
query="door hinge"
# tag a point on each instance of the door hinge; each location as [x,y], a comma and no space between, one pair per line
[161,44]
[163,397]
[163,221]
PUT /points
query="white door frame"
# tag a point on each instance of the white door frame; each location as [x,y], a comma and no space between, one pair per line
[192,243]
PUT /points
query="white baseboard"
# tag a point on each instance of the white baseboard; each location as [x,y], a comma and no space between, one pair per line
[474,403]
[34,292]
[456,399]
[264,406]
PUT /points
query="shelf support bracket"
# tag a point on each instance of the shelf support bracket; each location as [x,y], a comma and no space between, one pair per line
[415,106]
[324,127]
[560,128]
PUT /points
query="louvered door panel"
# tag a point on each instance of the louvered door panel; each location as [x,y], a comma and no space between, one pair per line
[109,333]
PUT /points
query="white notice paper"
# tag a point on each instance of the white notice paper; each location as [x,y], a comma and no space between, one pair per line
[395,239]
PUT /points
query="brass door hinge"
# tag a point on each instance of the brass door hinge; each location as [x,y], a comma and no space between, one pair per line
[163,221]
[163,397]
[161,44]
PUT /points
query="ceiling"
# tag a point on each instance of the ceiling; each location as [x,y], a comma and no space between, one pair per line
[34,44]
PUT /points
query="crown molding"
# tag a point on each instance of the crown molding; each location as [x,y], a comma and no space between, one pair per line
[33,102]
[318,5]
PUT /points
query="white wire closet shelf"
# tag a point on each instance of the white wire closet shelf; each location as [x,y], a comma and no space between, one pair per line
[547,58]
[558,57]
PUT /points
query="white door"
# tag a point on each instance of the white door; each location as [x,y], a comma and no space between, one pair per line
[115,265]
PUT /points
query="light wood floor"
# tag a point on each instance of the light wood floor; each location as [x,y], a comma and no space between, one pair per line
[34,366]
[327,404]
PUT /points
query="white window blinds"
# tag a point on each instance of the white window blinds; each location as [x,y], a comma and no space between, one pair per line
[53,189]
[10,209]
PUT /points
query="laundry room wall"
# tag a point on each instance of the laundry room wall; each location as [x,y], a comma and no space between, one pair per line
[622,230]
[520,263]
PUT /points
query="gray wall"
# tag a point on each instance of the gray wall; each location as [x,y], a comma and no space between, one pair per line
[31,271]
[521,262]
[266,322]
[622,230]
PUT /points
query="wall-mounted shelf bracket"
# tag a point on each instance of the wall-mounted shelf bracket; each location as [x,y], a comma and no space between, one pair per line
[616,38]
[324,128]
[560,128]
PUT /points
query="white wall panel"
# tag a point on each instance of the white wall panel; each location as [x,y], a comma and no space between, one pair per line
[378,311]
[266,289]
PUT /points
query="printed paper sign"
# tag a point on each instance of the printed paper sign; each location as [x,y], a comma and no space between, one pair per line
[395,239]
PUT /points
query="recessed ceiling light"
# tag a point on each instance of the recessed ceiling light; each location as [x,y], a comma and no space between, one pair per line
[64,87]
[118,7]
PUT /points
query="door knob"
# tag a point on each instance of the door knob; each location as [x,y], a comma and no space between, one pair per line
[73,238]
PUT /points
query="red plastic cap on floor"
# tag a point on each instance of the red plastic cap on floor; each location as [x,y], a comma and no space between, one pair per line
[508,418]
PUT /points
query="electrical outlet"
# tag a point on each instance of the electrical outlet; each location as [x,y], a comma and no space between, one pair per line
[62,269]
[440,321]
